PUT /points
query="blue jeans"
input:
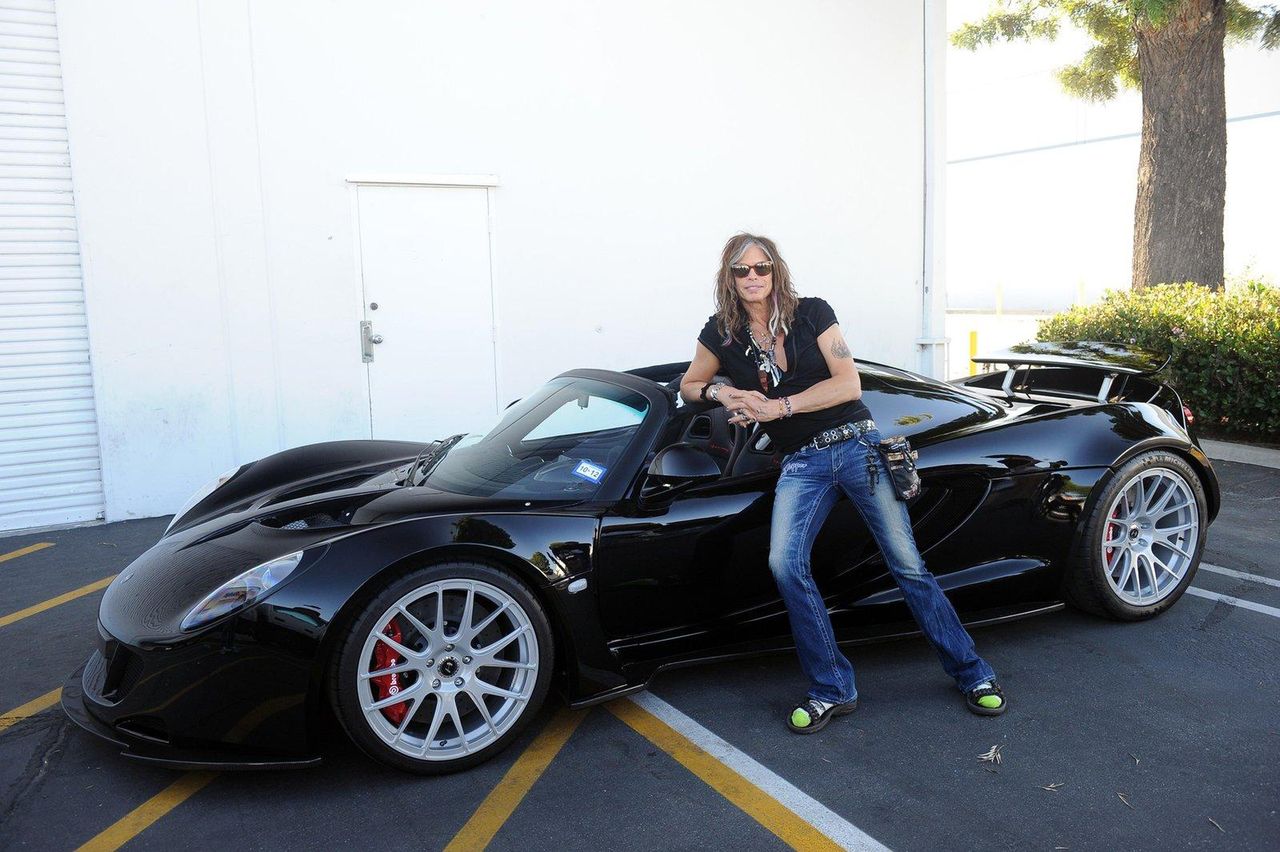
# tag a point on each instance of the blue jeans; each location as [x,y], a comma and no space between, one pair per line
[809,486]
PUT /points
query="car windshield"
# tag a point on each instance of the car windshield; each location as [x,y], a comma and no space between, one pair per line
[562,441]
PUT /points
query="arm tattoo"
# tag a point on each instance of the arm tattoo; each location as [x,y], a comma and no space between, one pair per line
[839,350]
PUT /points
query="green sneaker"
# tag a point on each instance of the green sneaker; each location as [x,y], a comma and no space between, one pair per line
[987,699]
[812,715]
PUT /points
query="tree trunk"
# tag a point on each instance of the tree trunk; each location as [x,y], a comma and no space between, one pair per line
[1182,166]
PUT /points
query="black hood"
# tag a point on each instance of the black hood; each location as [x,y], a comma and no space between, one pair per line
[313,469]
[148,600]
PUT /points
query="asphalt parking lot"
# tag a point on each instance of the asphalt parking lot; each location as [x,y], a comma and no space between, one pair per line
[1162,734]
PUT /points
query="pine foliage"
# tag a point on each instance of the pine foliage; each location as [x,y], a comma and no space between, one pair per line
[1112,62]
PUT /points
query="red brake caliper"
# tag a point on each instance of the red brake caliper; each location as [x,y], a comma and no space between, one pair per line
[385,656]
[1114,515]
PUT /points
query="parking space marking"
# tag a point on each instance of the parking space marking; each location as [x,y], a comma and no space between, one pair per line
[796,818]
[23,551]
[52,602]
[31,708]
[1243,604]
[503,800]
[140,818]
[1240,575]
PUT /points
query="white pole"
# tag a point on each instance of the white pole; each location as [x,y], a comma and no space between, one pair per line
[933,284]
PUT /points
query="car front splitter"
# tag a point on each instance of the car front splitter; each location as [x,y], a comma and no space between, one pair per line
[163,755]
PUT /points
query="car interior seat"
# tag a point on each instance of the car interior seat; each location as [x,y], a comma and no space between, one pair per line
[707,427]
[755,452]
[737,450]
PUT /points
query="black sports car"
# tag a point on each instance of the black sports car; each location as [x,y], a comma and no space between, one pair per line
[428,596]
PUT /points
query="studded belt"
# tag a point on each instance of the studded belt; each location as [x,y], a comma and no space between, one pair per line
[843,432]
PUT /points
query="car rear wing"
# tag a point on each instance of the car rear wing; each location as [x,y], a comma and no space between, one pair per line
[1108,361]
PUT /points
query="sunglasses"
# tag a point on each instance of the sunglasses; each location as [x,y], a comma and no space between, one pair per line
[762,269]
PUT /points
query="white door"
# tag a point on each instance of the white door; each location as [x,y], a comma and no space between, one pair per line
[50,471]
[428,303]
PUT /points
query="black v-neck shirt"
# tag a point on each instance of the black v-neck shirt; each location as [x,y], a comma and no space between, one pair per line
[806,366]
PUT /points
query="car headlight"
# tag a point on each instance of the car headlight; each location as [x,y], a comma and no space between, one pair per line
[241,591]
[202,493]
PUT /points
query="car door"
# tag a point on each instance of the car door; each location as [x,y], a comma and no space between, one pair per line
[692,572]
[690,575]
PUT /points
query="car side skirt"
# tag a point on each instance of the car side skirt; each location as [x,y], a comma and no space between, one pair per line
[782,647]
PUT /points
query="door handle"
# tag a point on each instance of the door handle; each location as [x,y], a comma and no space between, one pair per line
[368,340]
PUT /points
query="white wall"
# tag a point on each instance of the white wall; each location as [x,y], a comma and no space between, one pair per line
[210,145]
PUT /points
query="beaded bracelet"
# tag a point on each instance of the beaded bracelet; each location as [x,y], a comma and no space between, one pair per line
[786,401]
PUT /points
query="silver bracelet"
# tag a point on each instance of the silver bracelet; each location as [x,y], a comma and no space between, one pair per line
[714,393]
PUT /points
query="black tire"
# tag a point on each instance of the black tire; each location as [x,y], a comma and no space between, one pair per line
[1086,582]
[348,653]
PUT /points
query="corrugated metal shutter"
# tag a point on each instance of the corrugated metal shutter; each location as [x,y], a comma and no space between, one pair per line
[50,471]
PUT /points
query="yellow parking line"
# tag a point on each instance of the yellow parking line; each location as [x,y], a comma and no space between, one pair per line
[23,551]
[506,797]
[52,602]
[31,708]
[140,818]
[754,802]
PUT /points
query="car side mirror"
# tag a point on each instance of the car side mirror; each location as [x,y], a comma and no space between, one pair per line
[675,468]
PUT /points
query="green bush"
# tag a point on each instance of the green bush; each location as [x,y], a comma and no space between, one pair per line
[1225,346]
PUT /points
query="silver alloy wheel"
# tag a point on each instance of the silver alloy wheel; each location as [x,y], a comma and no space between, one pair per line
[477,690]
[1149,542]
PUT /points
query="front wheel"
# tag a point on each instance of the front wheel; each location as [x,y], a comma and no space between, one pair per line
[1137,551]
[443,668]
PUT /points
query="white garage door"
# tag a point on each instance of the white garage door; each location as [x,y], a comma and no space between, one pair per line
[50,471]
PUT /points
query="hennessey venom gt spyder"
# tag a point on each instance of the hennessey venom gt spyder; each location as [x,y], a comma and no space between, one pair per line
[427,596]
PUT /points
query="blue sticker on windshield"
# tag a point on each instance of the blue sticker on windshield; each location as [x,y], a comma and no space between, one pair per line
[589,471]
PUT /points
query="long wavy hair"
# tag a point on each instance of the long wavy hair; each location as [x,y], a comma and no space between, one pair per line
[731,317]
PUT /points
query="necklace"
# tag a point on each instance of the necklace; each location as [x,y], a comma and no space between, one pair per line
[766,360]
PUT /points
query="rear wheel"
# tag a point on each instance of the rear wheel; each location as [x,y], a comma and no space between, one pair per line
[443,668]
[1139,549]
